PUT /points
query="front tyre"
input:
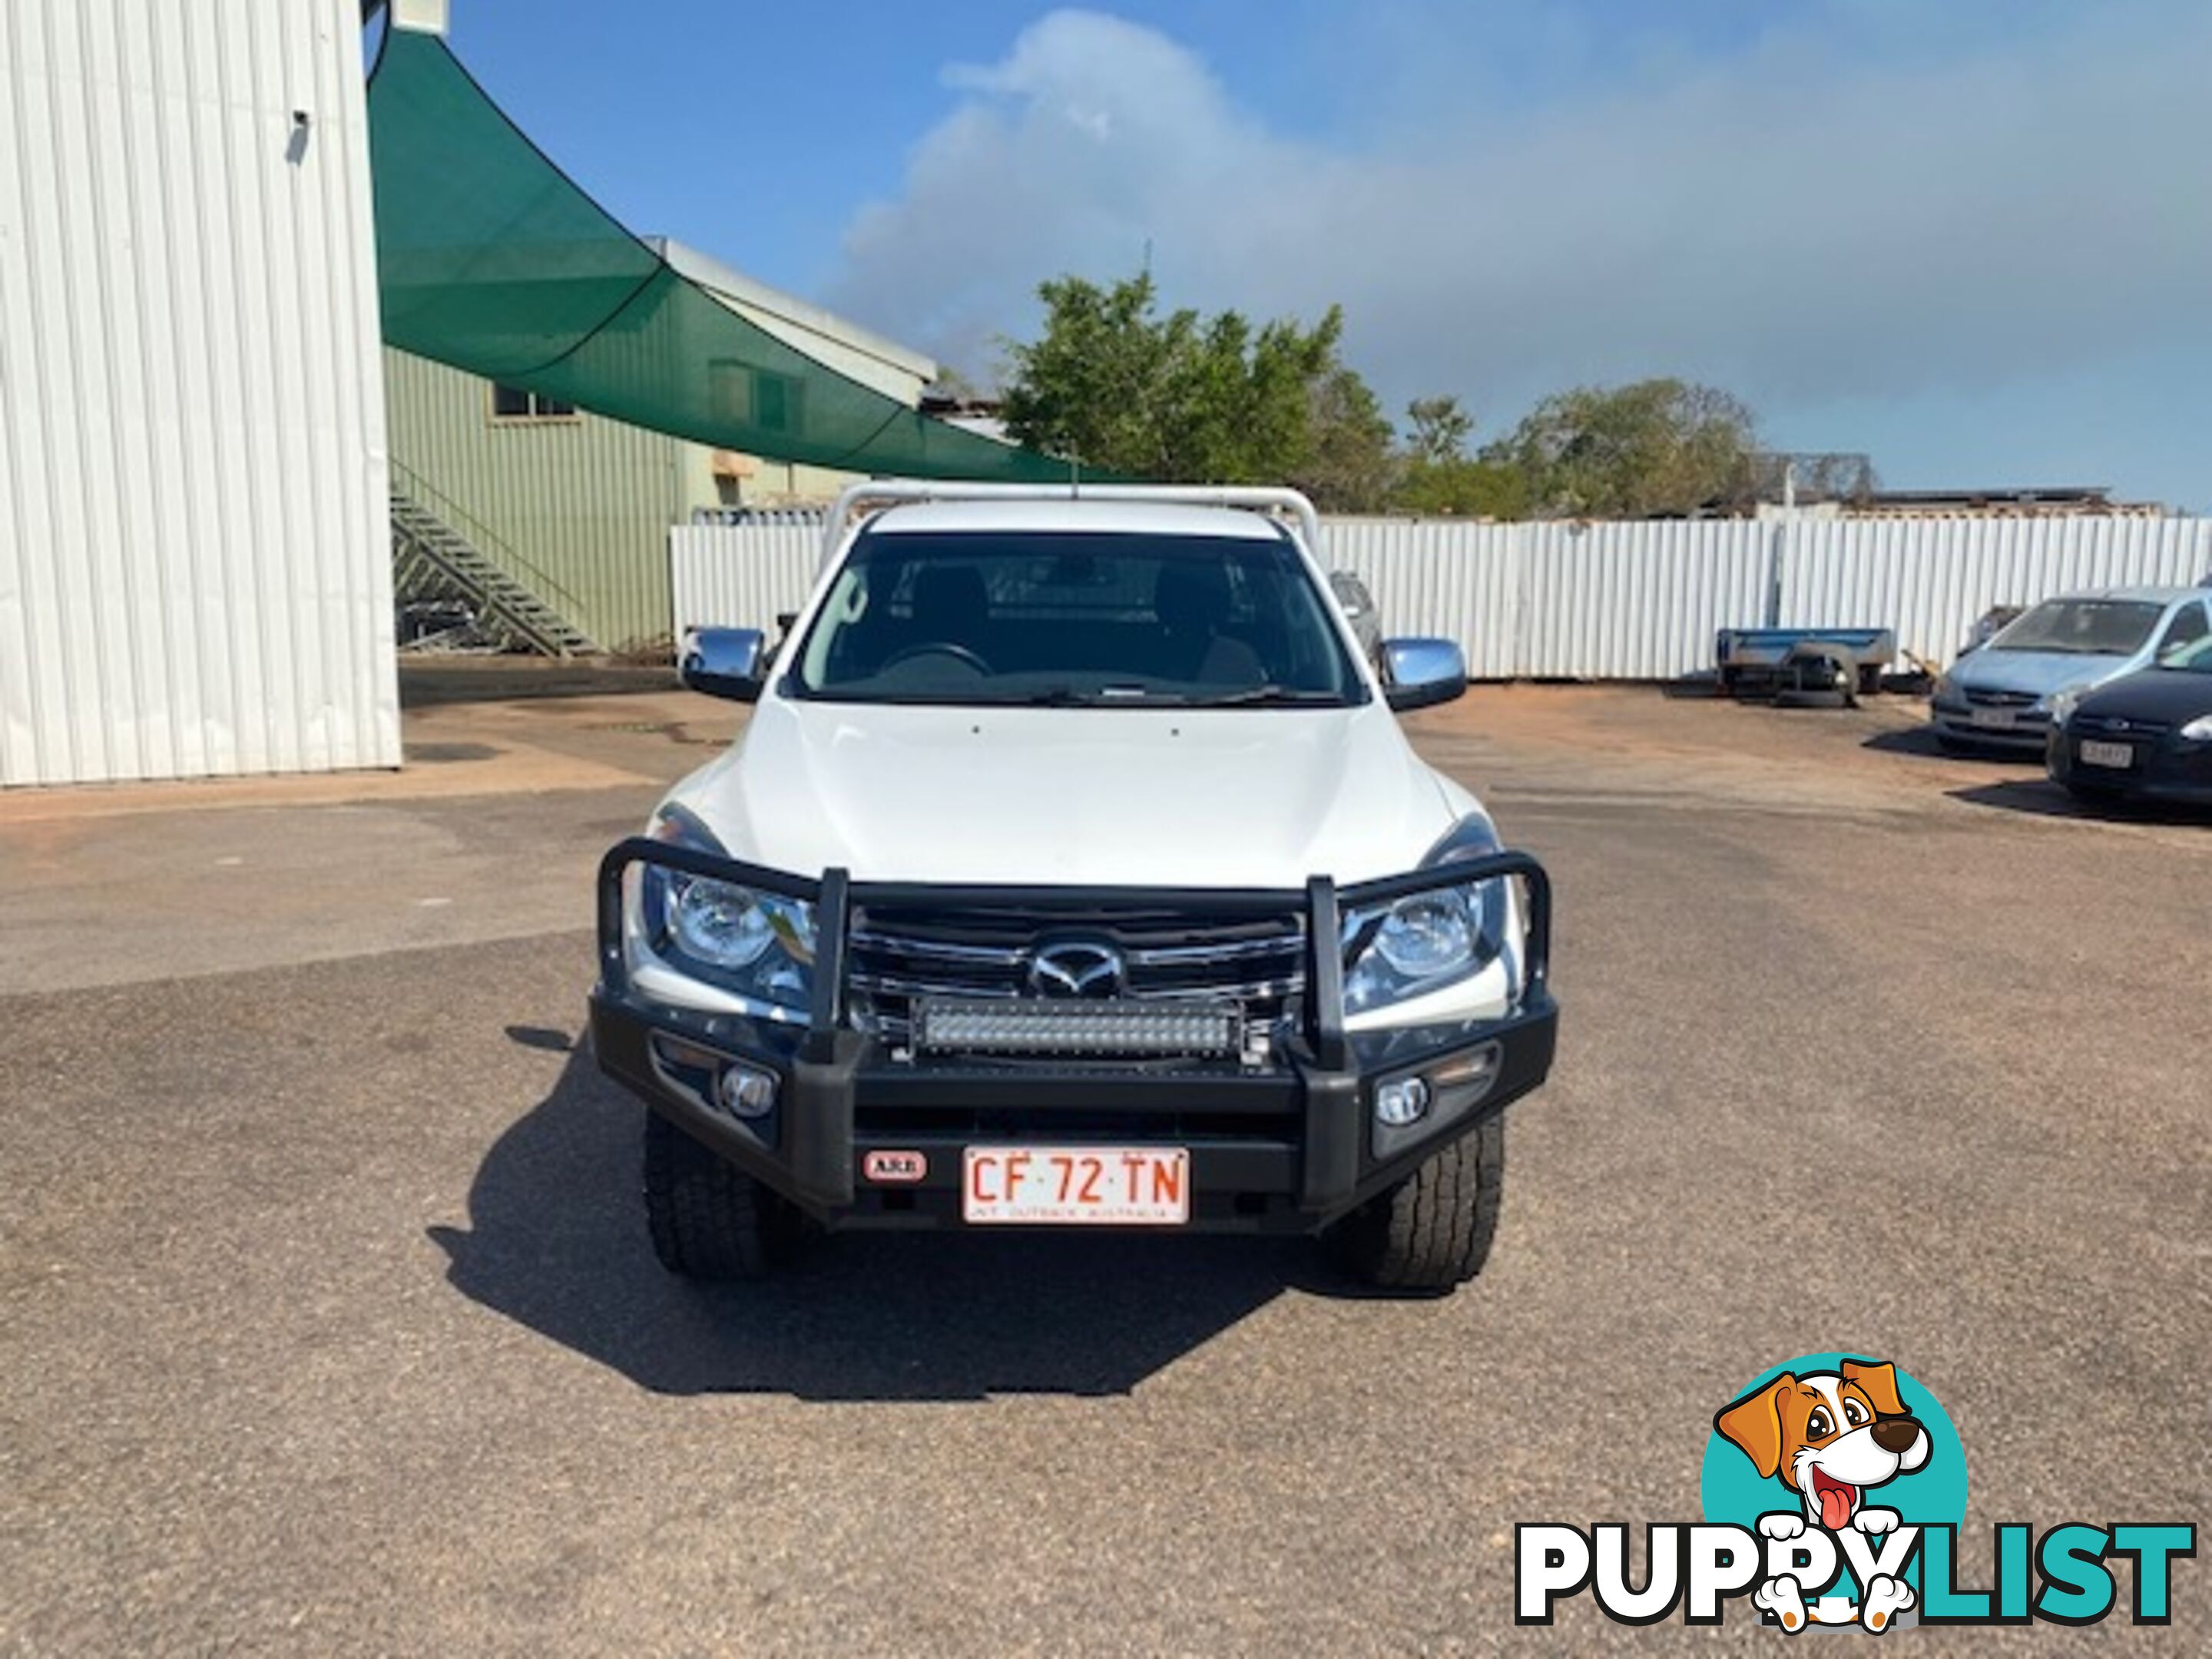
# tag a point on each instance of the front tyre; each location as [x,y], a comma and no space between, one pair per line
[709,1219]
[1432,1231]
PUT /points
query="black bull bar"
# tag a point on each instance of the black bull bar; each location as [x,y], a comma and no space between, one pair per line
[1322,1079]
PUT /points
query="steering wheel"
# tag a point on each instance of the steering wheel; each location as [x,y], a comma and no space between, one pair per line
[940,648]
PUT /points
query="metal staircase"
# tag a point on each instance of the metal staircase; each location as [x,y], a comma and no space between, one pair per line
[433,561]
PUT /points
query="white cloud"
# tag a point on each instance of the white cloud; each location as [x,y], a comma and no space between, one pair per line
[1819,218]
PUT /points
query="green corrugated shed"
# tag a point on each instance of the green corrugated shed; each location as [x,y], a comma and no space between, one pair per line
[578,507]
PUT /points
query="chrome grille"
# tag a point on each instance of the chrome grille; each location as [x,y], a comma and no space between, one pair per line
[895,955]
[2100,726]
[2001,699]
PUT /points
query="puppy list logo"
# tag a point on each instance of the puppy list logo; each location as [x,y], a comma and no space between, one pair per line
[1837,1438]
[1834,1488]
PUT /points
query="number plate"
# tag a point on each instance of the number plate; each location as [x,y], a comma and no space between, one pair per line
[2106,754]
[1995,720]
[1076,1186]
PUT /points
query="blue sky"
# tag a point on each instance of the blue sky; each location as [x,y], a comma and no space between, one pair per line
[1973,239]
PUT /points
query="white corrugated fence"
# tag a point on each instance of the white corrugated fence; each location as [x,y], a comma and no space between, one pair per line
[1632,601]
[1930,578]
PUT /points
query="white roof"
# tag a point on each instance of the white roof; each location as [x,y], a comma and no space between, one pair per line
[2141,595]
[1141,518]
[712,274]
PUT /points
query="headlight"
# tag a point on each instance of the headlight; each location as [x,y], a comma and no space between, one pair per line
[1421,943]
[759,945]
[1945,689]
[1429,934]
[733,926]
[2062,704]
[2198,730]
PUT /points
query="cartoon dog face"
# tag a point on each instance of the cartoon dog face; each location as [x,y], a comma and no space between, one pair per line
[1829,1435]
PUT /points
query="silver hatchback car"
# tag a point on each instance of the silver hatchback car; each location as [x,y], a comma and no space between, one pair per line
[2002,696]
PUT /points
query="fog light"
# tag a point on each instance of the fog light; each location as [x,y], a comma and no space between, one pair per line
[1401,1102]
[745,1092]
[1411,1109]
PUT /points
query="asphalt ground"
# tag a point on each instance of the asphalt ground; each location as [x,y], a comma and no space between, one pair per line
[328,1322]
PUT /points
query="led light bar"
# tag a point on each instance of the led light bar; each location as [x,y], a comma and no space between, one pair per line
[1046,1025]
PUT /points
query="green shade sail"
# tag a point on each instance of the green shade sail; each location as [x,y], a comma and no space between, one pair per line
[490,259]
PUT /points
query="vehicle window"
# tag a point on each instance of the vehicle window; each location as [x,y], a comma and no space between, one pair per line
[2189,626]
[2095,627]
[2195,658]
[1069,616]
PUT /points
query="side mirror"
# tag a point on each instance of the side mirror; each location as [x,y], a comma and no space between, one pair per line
[723,662]
[1417,674]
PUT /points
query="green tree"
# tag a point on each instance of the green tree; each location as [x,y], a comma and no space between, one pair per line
[1114,386]
[1089,387]
[1654,447]
[1349,466]
[1440,429]
[1435,475]
[1466,487]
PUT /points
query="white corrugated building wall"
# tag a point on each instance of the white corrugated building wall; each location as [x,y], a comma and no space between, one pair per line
[195,565]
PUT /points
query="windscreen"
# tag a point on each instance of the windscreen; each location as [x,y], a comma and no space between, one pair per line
[1084,618]
[2090,627]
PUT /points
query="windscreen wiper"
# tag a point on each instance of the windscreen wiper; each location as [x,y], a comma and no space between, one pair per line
[1255,696]
[1105,697]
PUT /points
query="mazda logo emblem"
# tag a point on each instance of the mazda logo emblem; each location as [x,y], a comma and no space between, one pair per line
[1075,968]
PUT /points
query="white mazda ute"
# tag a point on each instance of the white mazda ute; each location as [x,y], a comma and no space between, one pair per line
[1073,870]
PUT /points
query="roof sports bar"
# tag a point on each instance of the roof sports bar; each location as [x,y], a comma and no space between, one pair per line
[891,492]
